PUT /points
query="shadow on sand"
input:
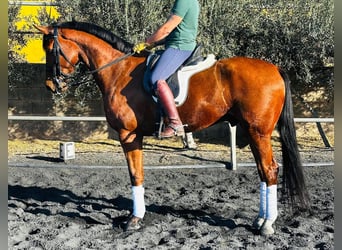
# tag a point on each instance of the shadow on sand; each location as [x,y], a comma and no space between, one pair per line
[33,196]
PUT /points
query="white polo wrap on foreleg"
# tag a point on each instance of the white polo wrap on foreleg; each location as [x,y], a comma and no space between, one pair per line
[138,201]
[271,200]
[262,208]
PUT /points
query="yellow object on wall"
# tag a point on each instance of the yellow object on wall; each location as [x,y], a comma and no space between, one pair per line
[32,51]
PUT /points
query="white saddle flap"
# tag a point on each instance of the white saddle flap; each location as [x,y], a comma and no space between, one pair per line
[186,72]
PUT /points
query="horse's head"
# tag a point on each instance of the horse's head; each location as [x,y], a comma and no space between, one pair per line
[61,57]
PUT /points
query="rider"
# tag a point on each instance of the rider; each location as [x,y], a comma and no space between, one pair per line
[179,33]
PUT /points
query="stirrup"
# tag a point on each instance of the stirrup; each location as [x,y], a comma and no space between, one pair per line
[178,131]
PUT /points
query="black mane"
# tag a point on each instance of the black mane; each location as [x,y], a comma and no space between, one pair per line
[116,42]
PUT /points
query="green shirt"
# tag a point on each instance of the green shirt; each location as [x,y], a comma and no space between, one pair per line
[183,37]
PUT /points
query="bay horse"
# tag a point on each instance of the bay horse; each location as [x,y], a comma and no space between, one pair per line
[252,92]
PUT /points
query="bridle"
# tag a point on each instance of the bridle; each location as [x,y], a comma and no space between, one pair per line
[58,76]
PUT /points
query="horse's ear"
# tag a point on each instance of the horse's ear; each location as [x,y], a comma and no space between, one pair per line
[44,29]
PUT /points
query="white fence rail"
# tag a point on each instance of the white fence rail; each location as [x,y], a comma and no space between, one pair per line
[33,3]
[55,118]
[232,129]
[102,118]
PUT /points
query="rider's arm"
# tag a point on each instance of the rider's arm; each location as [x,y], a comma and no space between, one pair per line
[165,29]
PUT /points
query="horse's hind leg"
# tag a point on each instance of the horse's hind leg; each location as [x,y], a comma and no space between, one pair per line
[268,172]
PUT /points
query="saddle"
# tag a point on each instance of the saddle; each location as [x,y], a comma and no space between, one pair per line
[178,81]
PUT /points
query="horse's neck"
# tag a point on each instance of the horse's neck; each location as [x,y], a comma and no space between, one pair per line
[96,53]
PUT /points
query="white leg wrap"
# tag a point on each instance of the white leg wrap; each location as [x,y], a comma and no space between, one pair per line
[262,208]
[138,201]
[271,201]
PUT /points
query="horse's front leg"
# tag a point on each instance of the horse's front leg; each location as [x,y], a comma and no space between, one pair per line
[132,146]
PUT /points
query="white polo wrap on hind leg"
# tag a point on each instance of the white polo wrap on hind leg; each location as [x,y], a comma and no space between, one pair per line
[138,201]
[262,208]
[271,201]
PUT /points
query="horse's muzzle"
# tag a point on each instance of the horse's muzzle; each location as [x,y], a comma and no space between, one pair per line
[50,86]
[55,85]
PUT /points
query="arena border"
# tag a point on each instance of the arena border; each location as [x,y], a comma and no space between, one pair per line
[157,167]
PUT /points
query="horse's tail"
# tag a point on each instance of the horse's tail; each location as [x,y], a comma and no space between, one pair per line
[293,176]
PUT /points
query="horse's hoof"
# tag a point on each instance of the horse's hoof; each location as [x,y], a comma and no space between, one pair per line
[258,222]
[134,223]
[267,228]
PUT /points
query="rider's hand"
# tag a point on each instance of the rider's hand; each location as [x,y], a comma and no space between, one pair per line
[140,47]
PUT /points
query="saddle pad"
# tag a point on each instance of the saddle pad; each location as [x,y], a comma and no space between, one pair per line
[186,72]
[184,75]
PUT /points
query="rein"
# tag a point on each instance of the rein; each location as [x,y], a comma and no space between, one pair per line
[111,63]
